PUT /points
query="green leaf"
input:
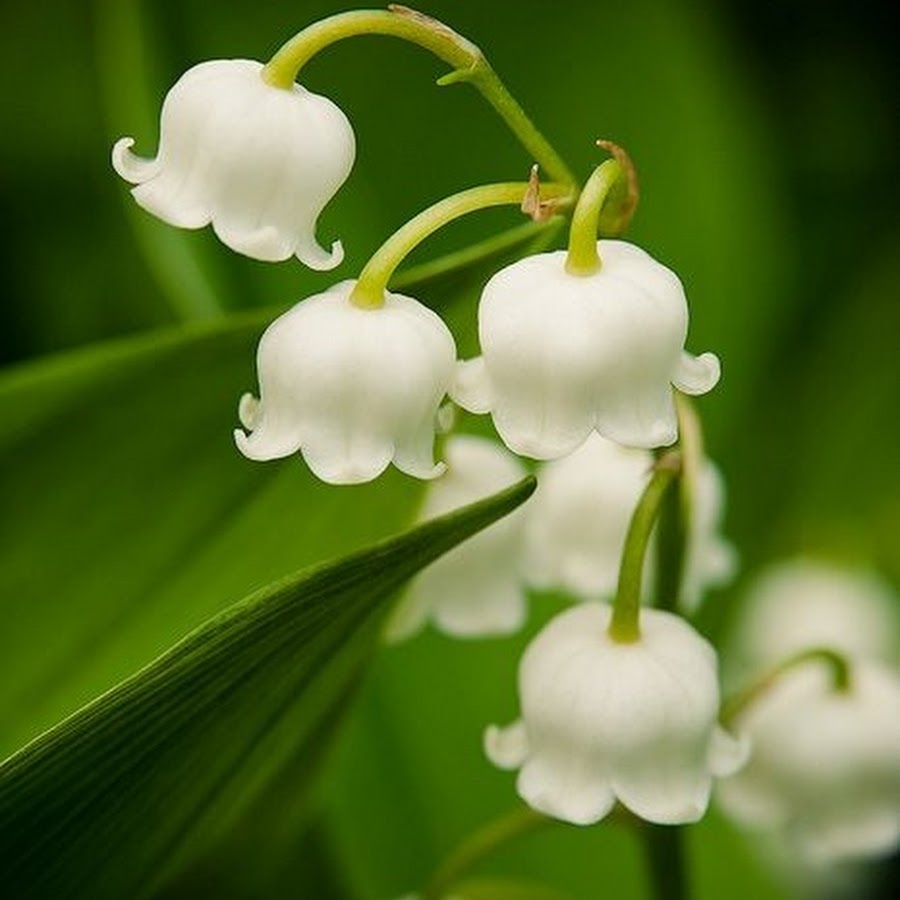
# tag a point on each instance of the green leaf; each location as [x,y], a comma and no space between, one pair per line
[97,806]
[130,517]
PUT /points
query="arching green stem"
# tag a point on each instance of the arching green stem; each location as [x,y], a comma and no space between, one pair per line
[583,258]
[624,626]
[369,290]
[836,662]
[479,846]
[530,237]
[466,59]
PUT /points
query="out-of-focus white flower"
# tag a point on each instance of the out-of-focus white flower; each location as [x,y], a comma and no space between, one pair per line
[476,589]
[825,766]
[564,355]
[576,521]
[710,560]
[605,721]
[259,162]
[353,389]
[578,518]
[805,603]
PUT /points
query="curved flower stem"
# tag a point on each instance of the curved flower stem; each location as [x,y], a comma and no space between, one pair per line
[480,845]
[466,58]
[369,290]
[836,662]
[607,202]
[624,626]
[676,515]
[664,851]
[583,258]
[529,234]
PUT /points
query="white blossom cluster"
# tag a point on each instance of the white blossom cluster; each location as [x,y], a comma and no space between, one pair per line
[577,371]
[563,355]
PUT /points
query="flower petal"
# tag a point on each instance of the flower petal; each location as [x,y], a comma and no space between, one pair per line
[133,168]
[471,388]
[727,753]
[666,793]
[565,789]
[697,374]
[315,257]
[506,748]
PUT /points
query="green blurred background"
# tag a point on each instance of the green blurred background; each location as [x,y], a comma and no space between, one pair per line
[766,140]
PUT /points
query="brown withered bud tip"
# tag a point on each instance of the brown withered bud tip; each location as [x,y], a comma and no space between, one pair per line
[532,205]
[620,155]
[532,200]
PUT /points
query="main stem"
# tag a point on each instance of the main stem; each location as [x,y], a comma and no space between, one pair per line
[663,848]
[466,59]
[624,626]
[480,845]
[370,289]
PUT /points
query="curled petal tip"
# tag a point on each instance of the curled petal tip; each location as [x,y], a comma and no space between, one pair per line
[312,255]
[438,470]
[242,441]
[697,374]
[248,411]
[506,748]
[471,387]
[128,165]
[727,753]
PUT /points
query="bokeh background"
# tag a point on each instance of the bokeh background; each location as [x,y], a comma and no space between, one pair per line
[766,140]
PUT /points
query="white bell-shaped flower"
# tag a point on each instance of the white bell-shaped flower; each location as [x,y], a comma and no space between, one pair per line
[605,721]
[259,162]
[476,589]
[564,355]
[825,764]
[803,603]
[579,515]
[352,389]
[710,560]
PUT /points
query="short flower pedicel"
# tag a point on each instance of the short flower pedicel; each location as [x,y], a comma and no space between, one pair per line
[565,354]
[257,161]
[577,520]
[604,721]
[352,389]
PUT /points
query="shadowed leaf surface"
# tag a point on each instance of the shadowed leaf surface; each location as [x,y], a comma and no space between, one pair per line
[246,695]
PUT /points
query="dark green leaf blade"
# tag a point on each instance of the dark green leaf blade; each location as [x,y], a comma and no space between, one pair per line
[94,807]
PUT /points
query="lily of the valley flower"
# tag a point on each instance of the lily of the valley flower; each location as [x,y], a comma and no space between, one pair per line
[804,602]
[825,766]
[605,721]
[476,589]
[352,389]
[565,354]
[578,517]
[259,162]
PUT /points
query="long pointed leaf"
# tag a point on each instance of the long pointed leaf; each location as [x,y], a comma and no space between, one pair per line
[95,807]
